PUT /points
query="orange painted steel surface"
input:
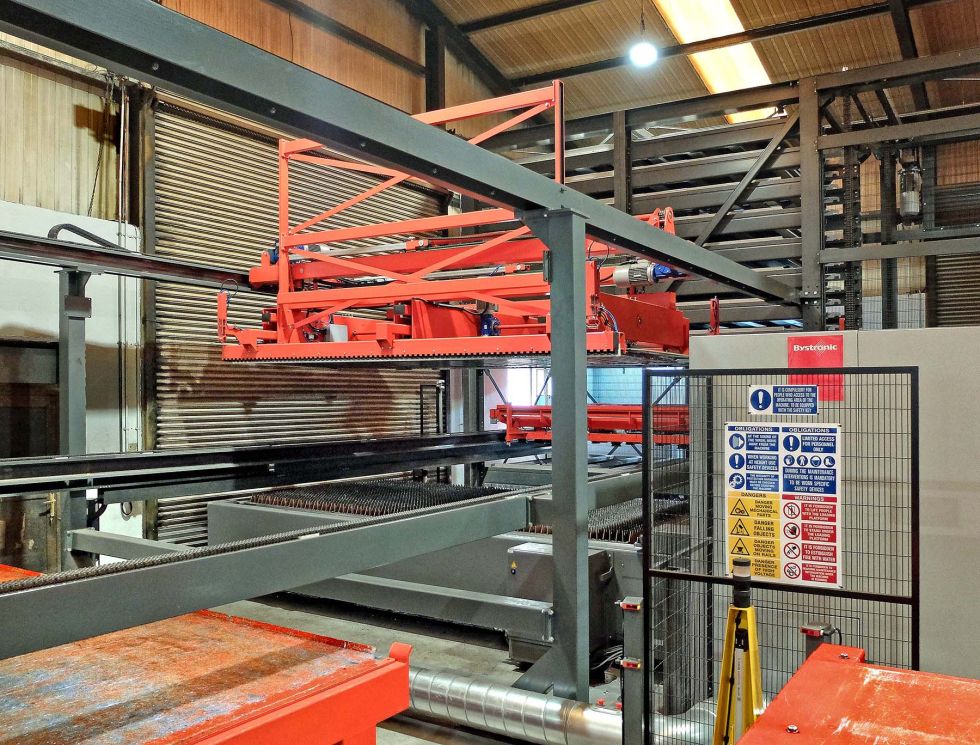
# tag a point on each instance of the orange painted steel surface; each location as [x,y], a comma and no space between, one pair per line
[613,423]
[200,679]
[468,296]
[844,701]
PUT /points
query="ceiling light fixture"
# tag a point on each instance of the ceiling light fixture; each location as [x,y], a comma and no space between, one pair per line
[643,53]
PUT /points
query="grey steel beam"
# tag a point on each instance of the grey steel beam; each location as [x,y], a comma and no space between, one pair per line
[889,217]
[704,288]
[322,21]
[174,52]
[521,14]
[123,595]
[712,196]
[736,313]
[764,157]
[120,546]
[464,49]
[635,710]
[435,68]
[891,116]
[671,112]
[528,619]
[877,251]
[473,412]
[723,138]
[930,130]
[564,669]
[74,308]
[756,249]
[100,260]
[689,170]
[747,221]
[622,163]
[906,72]
[222,469]
[720,42]
[906,43]
[859,105]
[812,207]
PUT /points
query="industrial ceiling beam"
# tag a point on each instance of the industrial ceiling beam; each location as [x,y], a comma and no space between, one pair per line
[670,112]
[521,14]
[721,42]
[176,53]
[906,43]
[322,21]
[460,45]
[961,63]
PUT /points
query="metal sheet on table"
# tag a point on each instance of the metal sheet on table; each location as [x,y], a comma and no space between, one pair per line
[166,682]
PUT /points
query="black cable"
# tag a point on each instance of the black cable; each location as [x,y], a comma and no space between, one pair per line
[106,111]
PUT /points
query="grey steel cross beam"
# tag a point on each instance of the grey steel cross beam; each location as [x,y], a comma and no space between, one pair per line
[153,44]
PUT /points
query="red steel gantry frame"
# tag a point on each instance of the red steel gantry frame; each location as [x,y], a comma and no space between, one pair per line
[612,423]
[422,294]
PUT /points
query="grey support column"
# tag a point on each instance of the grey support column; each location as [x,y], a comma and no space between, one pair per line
[622,163]
[564,669]
[472,395]
[73,310]
[889,216]
[811,203]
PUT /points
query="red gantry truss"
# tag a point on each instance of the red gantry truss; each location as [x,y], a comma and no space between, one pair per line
[420,293]
[612,423]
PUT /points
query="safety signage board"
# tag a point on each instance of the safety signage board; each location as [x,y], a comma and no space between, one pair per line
[783,499]
[783,399]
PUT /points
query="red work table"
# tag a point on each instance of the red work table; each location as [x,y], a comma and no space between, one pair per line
[841,700]
[203,678]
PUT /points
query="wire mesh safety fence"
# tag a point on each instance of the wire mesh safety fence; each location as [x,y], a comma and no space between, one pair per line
[865,593]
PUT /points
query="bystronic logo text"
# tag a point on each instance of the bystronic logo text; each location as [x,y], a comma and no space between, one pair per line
[814,347]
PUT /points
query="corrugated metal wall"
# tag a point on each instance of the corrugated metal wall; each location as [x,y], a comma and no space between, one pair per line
[216,202]
[957,290]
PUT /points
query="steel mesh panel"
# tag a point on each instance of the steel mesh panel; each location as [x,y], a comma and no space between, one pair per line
[687,591]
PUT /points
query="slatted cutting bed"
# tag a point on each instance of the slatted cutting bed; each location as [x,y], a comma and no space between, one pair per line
[203,678]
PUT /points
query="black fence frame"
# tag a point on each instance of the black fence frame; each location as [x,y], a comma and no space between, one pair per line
[912,599]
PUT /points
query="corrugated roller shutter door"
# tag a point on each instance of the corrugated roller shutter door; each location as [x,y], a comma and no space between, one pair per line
[957,290]
[215,202]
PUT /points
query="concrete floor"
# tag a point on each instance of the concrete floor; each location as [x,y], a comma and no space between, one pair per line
[435,645]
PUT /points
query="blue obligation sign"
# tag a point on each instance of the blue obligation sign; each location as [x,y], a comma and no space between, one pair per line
[760,399]
[791,442]
[737,460]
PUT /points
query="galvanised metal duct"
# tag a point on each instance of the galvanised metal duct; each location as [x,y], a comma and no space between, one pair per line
[534,717]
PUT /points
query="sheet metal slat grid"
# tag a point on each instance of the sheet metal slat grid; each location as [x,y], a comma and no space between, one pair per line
[687,595]
[216,202]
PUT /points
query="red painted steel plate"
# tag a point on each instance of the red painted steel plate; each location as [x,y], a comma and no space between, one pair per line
[198,678]
[844,701]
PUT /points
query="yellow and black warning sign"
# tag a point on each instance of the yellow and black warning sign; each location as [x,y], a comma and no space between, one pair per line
[757,506]
[739,528]
[749,528]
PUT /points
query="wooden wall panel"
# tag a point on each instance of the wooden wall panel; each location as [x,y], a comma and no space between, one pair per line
[958,163]
[270,28]
[51,126]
